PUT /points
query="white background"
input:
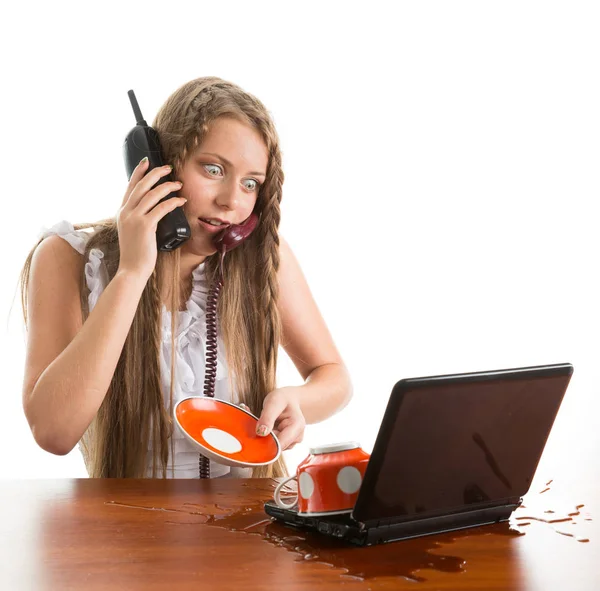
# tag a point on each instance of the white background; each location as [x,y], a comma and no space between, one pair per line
[441,165]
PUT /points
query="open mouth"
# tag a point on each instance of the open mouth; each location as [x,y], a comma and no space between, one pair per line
[214,222]
[212,226]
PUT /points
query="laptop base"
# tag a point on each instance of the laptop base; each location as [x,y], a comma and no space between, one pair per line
[345,528]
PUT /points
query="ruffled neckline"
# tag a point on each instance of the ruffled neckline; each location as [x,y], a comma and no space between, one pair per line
[199,290]
[190,336]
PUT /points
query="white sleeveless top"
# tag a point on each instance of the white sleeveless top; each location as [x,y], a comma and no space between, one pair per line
[190,344]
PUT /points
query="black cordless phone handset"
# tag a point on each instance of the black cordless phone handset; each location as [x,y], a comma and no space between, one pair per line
[173,229]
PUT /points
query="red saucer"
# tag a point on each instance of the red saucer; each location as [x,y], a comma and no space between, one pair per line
[225,432]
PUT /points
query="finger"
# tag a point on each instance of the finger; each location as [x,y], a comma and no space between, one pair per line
[138,173]
[271,410]
[164,208]
[285,442]
[283,424]
[287,436]
[146,183]
[150,199]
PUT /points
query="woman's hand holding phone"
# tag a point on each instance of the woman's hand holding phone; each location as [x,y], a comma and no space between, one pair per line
[139,215]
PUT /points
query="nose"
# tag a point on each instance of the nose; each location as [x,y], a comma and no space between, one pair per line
[228,196]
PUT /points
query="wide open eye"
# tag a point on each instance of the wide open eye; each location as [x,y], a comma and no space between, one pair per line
[255,186]
[207,166]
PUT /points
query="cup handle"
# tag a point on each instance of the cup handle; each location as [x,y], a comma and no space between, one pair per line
[282,504]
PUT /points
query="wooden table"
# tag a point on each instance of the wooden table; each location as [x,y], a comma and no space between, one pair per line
[190,534]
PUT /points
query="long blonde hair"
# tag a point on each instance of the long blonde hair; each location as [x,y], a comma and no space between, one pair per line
[133,412]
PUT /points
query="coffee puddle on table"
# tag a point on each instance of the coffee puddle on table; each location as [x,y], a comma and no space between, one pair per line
[562,517]
[359,563]
[383,560]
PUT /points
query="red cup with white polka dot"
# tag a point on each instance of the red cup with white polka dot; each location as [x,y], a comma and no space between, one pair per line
[328,480]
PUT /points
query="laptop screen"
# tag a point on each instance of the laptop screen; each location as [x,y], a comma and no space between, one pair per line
[447,445]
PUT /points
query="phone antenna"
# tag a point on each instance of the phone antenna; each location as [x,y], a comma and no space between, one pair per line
[136,108]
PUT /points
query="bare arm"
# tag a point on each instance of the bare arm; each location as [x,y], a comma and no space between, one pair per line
[309,344]
[69,366]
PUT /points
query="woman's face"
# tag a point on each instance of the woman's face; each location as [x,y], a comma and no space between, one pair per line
[221,179]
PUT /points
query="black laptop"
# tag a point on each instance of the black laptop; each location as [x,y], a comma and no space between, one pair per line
[452,452]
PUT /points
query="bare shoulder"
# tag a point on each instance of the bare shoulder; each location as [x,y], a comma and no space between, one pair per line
[54,283]
[57,254]
[284,250]
[53,304]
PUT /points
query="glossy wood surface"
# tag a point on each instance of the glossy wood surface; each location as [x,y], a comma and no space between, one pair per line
[191,534]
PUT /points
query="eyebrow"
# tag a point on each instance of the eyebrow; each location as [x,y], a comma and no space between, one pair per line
[229,163]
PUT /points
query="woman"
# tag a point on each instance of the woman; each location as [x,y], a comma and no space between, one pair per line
[116,330]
